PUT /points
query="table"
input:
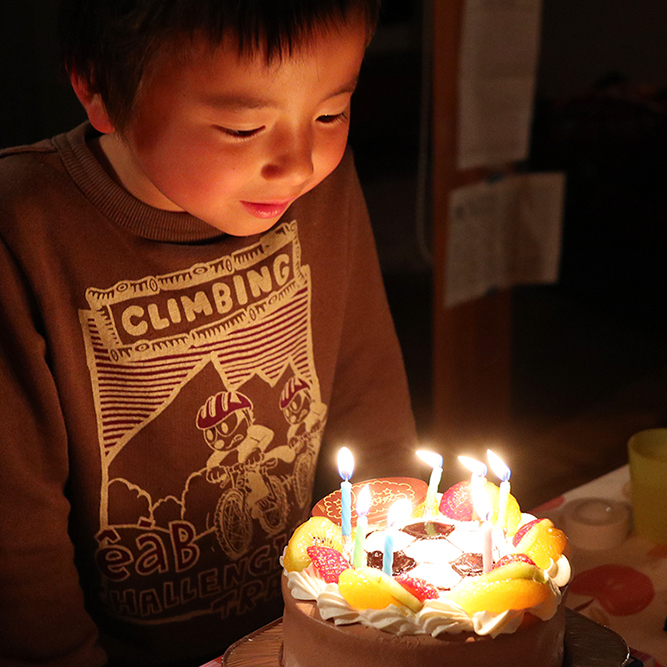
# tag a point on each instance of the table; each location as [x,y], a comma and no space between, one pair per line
[587,643]
[624,588]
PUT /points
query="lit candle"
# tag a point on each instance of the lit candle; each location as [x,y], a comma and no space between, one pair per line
[345,469]
[363,507]
[397,515]
[483,510]
[477,478]
[503,473]
[487,542]
[435,461]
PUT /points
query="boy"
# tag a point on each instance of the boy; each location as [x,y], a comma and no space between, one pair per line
[171,269]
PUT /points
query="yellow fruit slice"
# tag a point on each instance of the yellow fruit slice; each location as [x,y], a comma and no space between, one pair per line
[403,595]
[543,543]
[362,588]
[499,595]
[317,531]
[370,588]
[515,570]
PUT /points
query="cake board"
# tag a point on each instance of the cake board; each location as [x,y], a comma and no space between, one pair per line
[587,644]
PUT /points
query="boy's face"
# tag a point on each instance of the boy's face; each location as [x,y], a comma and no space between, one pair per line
[234,141]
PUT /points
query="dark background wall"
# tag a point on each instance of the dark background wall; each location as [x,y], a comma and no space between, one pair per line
[583,40]
[35,101]
[601,116]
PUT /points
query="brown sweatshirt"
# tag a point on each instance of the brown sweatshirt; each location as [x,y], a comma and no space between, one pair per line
[166,392]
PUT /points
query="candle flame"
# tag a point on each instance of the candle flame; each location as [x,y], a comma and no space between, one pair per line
[364,500]
[345,463]
[399,512]
[476,467]
[498,466]
[433,459]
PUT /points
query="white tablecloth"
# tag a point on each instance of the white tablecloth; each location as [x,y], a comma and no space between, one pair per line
[626,587]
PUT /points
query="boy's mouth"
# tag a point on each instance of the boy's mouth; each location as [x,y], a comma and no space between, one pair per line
[266,210]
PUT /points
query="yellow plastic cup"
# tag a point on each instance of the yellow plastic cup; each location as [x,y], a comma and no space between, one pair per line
[647,451]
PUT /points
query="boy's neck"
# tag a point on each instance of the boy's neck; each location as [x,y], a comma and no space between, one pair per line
[111,152]
[95,145]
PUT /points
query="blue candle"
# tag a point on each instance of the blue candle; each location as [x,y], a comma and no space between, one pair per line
[346,507]
[345,469]
[397,515]
[388,554]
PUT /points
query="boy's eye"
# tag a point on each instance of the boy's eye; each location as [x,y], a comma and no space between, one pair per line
[333,118]
[240,134]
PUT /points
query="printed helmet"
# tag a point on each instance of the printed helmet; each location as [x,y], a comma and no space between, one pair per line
[220,406]
[292,387]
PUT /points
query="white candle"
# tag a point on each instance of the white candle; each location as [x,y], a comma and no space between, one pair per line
[487,545]
[503,473]
[483,510]
[435,461]
[363,507]
[398,514]
[345,470]
[477,478]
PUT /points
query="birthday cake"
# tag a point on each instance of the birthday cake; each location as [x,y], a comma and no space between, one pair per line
[437,586]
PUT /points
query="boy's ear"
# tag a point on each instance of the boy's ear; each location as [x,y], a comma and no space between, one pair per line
[93,104]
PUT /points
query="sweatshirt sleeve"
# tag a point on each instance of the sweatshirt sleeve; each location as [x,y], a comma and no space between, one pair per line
[370,406]
[42,616]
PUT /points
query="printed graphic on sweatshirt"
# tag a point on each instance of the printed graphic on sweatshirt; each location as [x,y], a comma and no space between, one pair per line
[209,421]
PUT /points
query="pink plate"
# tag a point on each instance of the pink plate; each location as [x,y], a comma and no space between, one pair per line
[384,493]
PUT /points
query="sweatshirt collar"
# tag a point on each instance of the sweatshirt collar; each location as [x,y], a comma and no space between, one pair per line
[117,204]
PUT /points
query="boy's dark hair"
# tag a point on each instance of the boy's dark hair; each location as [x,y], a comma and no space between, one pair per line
[109,43]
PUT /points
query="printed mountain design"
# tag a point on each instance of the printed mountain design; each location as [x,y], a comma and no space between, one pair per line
[209,420]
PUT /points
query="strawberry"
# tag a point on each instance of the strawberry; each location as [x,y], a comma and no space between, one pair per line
[328,562]
[420,588]
[523,530]
[456,502]
[510,558]
[317,531]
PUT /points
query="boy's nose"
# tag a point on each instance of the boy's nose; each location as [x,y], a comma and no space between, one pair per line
[291,162]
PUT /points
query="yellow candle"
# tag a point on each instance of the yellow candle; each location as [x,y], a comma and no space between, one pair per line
[503,473]
[435,461]
[363,507]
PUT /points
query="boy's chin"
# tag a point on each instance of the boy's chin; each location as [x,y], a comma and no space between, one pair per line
[248,226]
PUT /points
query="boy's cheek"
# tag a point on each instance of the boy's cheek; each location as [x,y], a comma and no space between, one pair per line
[331,159]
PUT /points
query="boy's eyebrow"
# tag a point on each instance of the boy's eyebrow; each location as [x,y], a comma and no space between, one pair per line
[349,87]
[235,102]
